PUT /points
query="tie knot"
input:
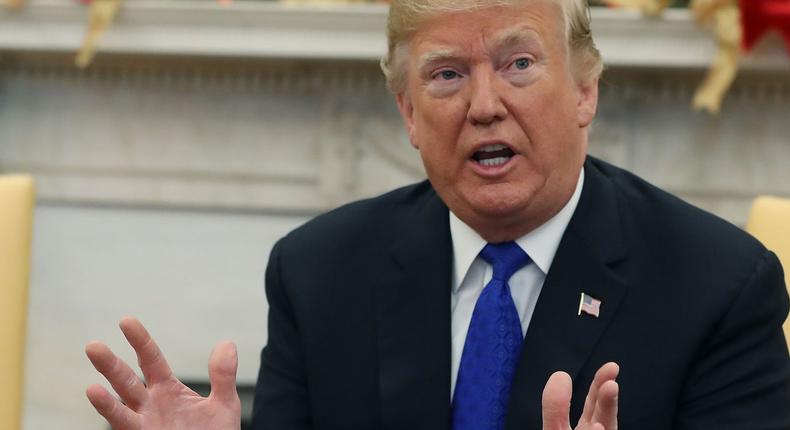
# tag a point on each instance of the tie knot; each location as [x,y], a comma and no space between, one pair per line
[506,258]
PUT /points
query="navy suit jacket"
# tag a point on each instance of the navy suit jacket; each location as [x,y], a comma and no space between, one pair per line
[692,309]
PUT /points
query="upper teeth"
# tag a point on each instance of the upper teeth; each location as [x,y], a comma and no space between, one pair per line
[492,148]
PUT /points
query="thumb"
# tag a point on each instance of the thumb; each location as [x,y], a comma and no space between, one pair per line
[222,367]
[557,402]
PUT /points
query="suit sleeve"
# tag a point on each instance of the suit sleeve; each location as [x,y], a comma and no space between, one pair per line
[741,378]
[281,395]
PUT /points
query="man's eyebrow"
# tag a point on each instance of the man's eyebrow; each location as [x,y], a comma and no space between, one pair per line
[438,55]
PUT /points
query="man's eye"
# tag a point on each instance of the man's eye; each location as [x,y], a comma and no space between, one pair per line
[522,63]
[447,75]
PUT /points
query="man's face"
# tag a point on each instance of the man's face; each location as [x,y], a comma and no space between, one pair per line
[499,120]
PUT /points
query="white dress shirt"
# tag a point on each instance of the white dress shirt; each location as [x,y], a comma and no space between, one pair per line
[471,273]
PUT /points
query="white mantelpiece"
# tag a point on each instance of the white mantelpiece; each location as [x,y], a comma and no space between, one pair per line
[351,31]
[301,136]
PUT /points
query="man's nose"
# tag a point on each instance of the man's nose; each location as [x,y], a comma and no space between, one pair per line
[485,99]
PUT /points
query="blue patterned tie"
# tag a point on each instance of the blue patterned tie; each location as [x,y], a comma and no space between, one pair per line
[492,346]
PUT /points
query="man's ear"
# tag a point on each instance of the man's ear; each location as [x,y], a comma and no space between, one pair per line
[407,113]
[587,104]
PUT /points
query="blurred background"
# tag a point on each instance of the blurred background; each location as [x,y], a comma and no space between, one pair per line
[202,131]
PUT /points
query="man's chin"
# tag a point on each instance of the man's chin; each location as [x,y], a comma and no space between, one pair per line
[497,209]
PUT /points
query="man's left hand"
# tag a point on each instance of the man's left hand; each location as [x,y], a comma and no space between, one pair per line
[600,406]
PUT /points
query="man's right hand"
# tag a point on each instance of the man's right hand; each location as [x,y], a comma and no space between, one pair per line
[165,403]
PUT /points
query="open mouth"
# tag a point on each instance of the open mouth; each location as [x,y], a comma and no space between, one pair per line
[493,155]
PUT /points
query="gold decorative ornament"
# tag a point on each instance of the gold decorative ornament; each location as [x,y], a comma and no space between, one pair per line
[648,7]
[725,18]
[14,4]
[102,15]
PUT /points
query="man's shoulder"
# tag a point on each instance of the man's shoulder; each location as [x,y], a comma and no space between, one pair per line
[364,220]
[656,218]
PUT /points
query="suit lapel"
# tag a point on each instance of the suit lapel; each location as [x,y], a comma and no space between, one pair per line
[558,337]
[413,311]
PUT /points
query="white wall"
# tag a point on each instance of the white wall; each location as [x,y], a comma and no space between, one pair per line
[193,278]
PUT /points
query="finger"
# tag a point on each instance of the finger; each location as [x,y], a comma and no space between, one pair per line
[222,367]
[119,416]
[606,407]
[122,378]
[557,402]
[607,372]
[149,356]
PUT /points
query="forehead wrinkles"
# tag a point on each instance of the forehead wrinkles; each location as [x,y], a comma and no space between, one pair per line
[536,20]
[517,36]
[543,18]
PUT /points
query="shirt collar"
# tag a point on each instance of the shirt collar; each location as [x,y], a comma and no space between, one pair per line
[540,244]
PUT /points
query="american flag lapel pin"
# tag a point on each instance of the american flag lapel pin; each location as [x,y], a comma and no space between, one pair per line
[589,305]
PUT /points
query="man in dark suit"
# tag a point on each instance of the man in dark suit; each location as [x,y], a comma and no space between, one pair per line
[691,310]
[449,304]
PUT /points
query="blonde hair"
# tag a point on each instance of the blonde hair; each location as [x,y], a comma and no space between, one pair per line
[406,15]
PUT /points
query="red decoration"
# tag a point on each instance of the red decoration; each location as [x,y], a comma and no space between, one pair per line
[760,16]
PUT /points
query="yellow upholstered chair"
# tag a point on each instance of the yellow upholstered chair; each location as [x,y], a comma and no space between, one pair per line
[769,221]
[16,215]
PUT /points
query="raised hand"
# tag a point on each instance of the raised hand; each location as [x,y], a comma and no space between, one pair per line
[165,403]
[600,406]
